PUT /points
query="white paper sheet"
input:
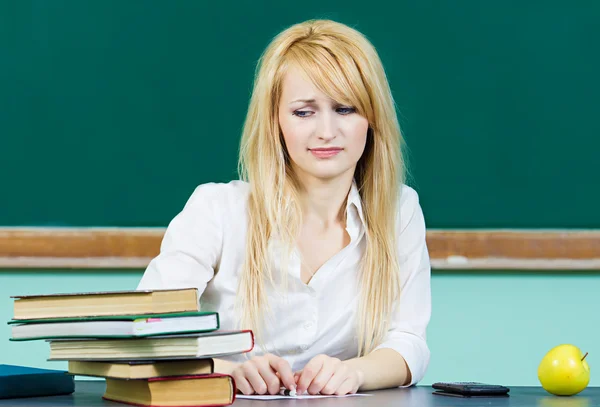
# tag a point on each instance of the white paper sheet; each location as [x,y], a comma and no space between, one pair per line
[303,396]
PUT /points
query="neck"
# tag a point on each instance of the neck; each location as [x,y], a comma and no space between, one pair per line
[323,201]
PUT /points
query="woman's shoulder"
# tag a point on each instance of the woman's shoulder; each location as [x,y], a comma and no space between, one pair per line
[222,190]
[409,197]
[223,196]
[409,205]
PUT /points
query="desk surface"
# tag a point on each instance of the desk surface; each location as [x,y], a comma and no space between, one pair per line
[88,393]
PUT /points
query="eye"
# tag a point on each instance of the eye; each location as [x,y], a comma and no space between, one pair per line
[344,110]
[302,113]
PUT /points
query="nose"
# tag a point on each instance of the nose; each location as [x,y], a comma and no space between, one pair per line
[327,129]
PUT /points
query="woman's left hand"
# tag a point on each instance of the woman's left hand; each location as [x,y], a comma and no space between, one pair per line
[327,375]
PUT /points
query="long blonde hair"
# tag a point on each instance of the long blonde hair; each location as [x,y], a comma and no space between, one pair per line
[344,65]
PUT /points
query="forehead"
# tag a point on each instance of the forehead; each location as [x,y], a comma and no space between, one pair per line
[296,85]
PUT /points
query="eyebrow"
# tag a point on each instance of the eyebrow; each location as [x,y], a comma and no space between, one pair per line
[303,101]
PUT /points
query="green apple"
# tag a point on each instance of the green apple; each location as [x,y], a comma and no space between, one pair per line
[564,371]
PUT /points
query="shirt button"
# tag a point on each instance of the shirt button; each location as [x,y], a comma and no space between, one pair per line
[308,325]
[304,347]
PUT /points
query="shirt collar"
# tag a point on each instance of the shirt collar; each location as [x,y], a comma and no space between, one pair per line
[354,200]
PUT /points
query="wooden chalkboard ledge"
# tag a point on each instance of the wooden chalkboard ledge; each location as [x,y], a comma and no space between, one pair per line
[133,248]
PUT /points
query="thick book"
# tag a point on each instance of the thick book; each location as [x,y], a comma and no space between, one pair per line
[191,346]
[123,326]
[142,369]
[188,391]
[102,303]
[22,381]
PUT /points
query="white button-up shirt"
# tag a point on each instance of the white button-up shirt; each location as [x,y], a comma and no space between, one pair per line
[204,247]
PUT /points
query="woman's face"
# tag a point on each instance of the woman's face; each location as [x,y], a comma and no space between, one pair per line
[324,139]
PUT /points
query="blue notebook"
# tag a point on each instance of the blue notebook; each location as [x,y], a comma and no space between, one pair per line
[21,381]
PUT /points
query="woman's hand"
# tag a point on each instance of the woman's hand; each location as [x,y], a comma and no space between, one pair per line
[263,375]
[327,375]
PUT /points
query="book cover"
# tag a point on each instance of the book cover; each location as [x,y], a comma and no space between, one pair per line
[130,392]
[129,326]
[67,305]
[112,317]
[96,293]
[174,347]
[23,381]
[130,369]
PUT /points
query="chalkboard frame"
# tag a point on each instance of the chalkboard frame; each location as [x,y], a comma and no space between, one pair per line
[133,248]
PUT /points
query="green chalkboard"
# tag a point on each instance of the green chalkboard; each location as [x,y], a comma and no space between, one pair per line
[111,112]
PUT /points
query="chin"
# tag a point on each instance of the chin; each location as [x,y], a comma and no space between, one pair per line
[326,170]
[326,174]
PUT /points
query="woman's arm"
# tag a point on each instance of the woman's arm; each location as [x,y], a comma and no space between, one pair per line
[380,369]
[407,332]
[191,246]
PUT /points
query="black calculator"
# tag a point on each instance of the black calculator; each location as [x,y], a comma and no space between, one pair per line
[469,389]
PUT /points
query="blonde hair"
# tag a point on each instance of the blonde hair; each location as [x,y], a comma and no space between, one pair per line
[344,65]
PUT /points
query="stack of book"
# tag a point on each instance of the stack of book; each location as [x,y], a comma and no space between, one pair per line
[154,347]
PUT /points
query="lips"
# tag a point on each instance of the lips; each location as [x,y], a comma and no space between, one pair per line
[326,152]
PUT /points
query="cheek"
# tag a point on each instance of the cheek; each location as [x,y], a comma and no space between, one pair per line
[294,137]
[358,136]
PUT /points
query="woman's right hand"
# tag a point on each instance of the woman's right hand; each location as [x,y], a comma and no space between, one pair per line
[264,375]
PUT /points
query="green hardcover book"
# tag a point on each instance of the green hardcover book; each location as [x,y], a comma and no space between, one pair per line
[115,326]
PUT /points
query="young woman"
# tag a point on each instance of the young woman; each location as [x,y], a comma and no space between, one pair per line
[321,249]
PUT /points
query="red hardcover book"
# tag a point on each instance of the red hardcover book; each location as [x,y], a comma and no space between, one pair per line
[179,391]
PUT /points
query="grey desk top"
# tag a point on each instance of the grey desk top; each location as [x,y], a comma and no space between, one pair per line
[89,393]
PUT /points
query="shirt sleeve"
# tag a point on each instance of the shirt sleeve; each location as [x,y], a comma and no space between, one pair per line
[191,247]
[407,332]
